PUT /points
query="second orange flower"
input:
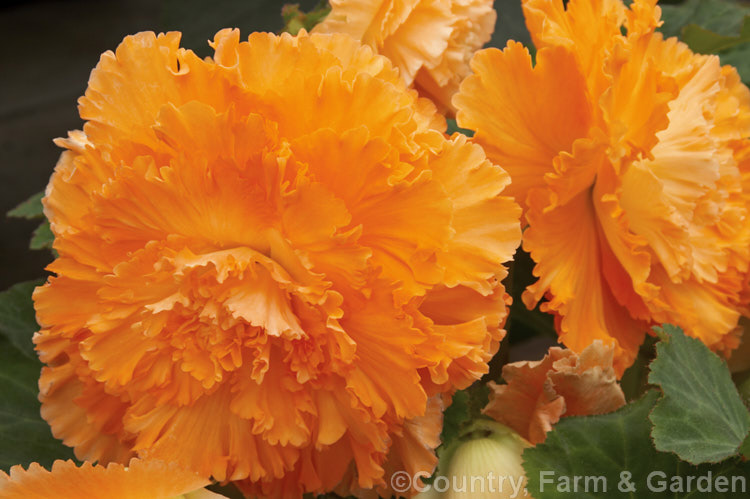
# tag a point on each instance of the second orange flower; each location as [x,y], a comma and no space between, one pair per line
[630,155]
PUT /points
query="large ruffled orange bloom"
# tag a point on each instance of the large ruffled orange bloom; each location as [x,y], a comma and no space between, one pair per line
[430,41]
[630,155]
[139,480]
[269,262]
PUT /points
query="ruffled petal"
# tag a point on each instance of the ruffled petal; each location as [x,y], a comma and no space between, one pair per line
[521,122]
[421,39]
[429,41]
[588,28]
[567,244]
[461,318]
[484,221]
[66,480]
[473,24]
[538,394]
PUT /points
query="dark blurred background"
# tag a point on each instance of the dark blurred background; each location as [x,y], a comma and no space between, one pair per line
[47,50]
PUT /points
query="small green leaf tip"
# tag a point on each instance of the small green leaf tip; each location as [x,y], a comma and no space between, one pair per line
[296,20]
[29,209]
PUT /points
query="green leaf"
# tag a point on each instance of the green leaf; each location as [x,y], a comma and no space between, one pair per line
[453,128]
[739,57]
[466,407]
[17,318]
[724,17]
[455,417]
[295,19]
[705,41]
[229,490]
[634,381]
[460,420]
[31,208]
[745,449]
[42,237]
[713,26]
[613,446]
[24,436]
[510,25]
[479,397]
[744,389]
[701,417]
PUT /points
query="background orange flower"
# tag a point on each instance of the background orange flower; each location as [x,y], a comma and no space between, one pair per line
[429,41]
[277,259]
[630,155]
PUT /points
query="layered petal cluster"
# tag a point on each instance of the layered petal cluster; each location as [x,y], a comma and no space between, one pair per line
[430,41]
[630,156]
[276,260]
[138,480]
[537,394]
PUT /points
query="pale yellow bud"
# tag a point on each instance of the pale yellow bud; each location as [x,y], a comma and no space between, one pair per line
[489,465]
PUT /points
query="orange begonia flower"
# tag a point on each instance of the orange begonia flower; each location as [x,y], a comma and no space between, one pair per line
[430,41]
[139,480]
[538,394]
[630,155]
[269,261]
